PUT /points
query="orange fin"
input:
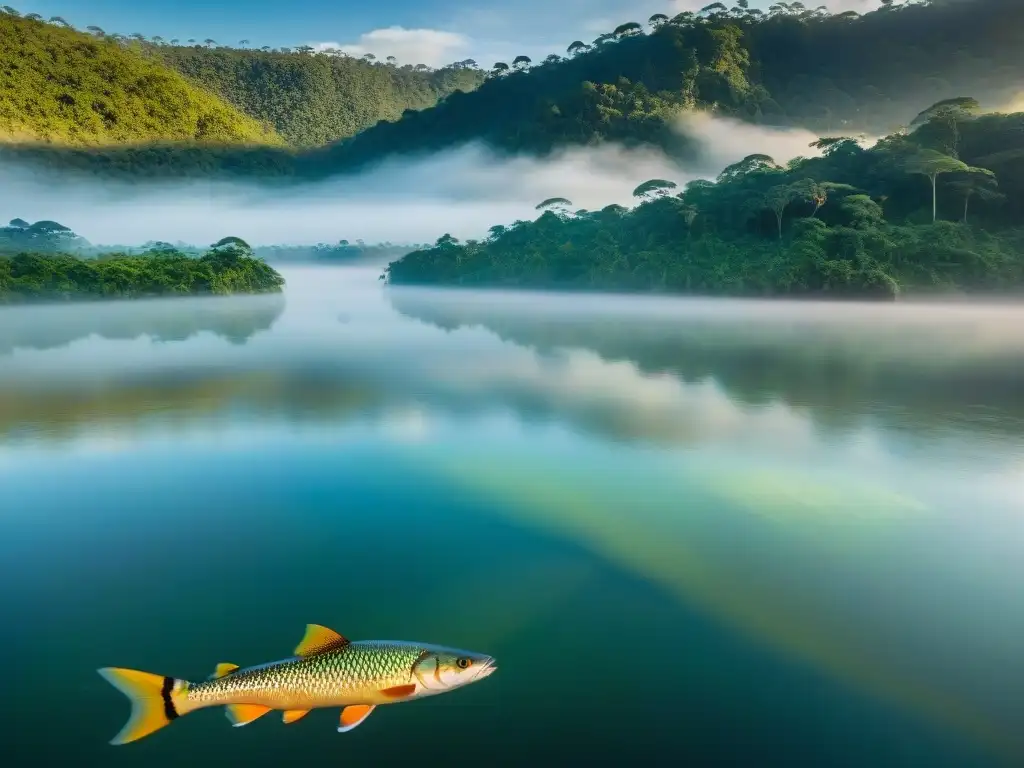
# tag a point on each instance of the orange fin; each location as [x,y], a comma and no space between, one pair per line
[292,715]
[223,669]
[354,715]
[243,714]
[319,639]
[399,691]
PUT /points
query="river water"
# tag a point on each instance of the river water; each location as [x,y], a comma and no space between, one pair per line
[700,531]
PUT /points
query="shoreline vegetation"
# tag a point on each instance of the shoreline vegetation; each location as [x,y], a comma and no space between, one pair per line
[934,210]
[227,268]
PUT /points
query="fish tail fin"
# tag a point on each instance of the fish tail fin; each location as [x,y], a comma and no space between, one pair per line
[156,701]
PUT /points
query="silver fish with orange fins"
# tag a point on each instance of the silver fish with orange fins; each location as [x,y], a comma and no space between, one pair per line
[327,670]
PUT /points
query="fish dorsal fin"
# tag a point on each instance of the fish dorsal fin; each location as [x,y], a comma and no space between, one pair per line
[291,715]
[318,640]
[353,715]
[223,669]
[243,714]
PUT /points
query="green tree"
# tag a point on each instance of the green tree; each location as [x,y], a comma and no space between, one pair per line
[777,199]
[629,29]
[556,203]
[982,186]
[932,164]
[950,113]
[653,188]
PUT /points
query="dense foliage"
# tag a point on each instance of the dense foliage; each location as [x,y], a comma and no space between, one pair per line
[40,237]
[854,221]
[61,85]
[64,86]
[227,268]
[52,237]
[314,99]
[788,66]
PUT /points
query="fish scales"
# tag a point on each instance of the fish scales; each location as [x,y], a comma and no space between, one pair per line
[327,670]
[351,674]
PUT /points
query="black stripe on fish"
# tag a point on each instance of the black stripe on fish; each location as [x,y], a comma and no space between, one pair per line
[169,711]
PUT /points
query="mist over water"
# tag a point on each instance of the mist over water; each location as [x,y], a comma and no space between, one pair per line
[801,513]
[463,191]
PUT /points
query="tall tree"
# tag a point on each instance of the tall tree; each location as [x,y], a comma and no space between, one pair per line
[777,199]
[932,164]
[653,188]
[976,185]
[949,113]
[628,29]
[556,203]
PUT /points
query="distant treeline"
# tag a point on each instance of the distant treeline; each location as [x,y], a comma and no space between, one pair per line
[227,268]
[343,251]
[854,222]
[315,98]
[93,88]
[835,74]
[53,237]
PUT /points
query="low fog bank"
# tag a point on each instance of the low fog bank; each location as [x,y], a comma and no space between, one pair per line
[463,192]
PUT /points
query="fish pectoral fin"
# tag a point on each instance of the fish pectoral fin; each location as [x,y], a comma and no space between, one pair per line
[223,669]
[399,691]
[319,639]
[243,714]
[354,715]
[291,715]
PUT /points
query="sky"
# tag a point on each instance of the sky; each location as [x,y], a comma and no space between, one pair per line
[432,32]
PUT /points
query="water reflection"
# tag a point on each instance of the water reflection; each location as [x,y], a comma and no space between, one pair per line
[236,319]
[844,489]
[915,364]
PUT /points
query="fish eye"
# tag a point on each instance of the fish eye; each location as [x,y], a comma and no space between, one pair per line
[464,663]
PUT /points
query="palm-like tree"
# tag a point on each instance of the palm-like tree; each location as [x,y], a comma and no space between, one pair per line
[577,47]
[933,164]
[628,29]
[554,203]
[653,188]
[977,185]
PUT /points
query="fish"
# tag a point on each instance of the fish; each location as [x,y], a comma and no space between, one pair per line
[326,670]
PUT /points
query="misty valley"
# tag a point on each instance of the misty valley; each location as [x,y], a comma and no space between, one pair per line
[705,323]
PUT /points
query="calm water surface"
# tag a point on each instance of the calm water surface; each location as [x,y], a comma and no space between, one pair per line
[700,532]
